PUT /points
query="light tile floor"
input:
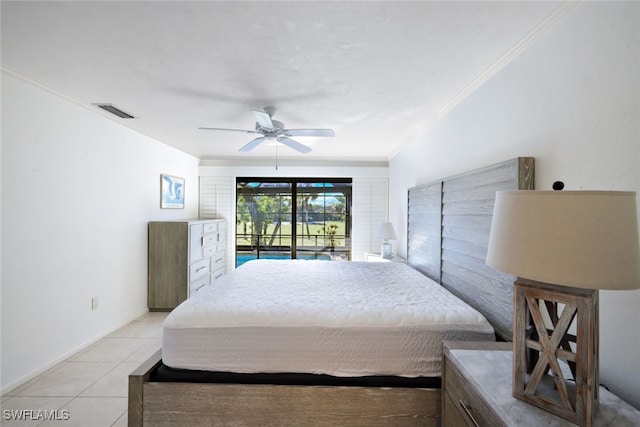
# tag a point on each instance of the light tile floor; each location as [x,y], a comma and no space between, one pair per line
[90,388]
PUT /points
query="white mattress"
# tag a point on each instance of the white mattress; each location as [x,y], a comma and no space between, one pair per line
[322,317]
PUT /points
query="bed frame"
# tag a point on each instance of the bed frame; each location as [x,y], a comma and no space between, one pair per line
[448,232]
[448,227]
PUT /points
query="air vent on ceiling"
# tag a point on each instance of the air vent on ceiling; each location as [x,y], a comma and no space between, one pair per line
[115,110]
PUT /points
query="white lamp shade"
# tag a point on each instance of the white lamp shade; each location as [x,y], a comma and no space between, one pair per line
[386,231]
[584,239]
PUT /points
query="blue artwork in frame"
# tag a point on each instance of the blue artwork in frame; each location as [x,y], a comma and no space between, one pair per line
[172,192]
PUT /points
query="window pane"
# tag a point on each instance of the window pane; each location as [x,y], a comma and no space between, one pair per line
[265,211]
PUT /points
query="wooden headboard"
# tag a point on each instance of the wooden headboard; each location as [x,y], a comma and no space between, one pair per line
[448,227]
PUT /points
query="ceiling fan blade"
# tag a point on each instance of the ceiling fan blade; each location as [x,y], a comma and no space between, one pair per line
[295,145]
[263,119]
[310,132]
[231,130]
[253,144]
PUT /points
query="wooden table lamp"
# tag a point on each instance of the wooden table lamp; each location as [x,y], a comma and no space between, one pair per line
[563,246]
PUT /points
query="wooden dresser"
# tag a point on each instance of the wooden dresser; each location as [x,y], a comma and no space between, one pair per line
[184,256]
[477,392]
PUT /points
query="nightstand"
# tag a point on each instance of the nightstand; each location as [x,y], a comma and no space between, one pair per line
[371,257]
[476,392]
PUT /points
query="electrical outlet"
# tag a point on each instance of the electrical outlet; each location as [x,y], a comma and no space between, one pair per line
[94,303]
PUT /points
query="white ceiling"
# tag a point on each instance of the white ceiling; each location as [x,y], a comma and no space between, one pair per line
[378,72]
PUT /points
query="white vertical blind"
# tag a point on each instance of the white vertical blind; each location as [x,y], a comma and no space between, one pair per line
[217,200]
[370,209]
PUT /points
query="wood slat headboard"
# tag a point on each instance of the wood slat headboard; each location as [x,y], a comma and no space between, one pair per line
[448,227]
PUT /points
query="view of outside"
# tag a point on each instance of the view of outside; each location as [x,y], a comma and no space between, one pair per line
[264,213]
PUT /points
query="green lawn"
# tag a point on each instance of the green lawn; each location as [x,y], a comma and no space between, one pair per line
[283,236]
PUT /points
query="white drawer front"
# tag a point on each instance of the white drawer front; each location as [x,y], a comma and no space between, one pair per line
[211,227]
[209,239]
[199,269]
[217,261]
[209,251]
[198,284]
[217,274]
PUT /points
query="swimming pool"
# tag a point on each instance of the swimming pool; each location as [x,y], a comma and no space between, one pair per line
[242,258]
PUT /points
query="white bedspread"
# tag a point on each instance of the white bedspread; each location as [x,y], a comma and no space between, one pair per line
[336,318]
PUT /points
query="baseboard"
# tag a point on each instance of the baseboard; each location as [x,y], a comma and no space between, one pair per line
[8,388]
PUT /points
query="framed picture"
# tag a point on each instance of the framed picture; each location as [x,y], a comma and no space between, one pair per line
[171,192]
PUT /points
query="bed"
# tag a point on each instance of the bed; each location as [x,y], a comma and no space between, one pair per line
[337,342]
[345,319]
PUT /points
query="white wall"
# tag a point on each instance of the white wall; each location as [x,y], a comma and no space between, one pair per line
[77,192]
[571,100]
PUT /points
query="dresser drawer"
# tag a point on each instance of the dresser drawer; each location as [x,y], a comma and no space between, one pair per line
[209,240]
[217,274]
[217,261]
[468,405]
[451,415]
[209,251]
[210,227]
[198,284]
[199,269]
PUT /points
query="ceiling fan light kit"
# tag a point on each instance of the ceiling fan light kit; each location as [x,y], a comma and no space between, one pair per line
[275,130]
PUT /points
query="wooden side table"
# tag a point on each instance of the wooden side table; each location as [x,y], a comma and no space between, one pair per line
[477,391]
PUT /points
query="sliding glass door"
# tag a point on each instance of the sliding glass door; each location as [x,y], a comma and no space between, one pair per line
[293,218]
[263,220]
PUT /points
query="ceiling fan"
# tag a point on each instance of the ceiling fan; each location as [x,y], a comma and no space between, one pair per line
[274,130]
